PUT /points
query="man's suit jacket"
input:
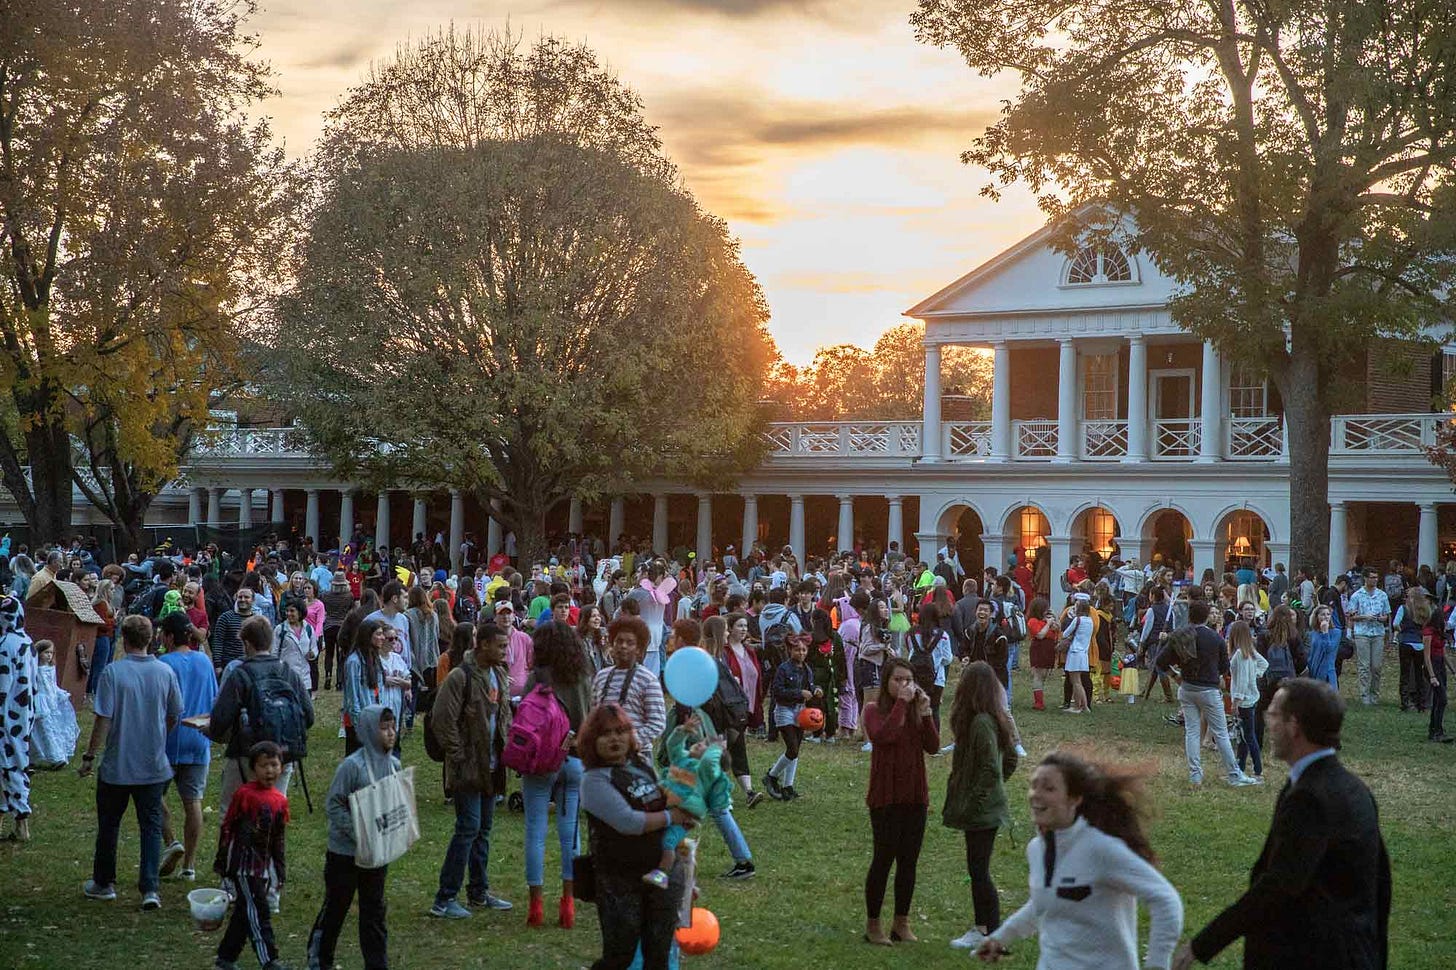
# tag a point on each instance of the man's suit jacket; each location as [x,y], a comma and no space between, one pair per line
[1319,896]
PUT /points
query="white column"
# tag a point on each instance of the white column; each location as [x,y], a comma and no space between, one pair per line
[995,551]
[1279,552]
[346,516]
[1210,446]
[1001,402]
[493,538]
[930,425]
[616,522]
[1067,443]
[927,544]
[214,506]
[245,508]
[896,530]
[705,527]
[194,505]
[1137,399]
[1061,552]
[659,524]
[750,525]
[1427,548]
[796,526]
[381,521]
[417,526]
[573,516]
[276,514]
[457,526]
[1203,558]
[844,541]
[311,523]
[1339,540]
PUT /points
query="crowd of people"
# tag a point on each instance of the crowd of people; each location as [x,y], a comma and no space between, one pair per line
[553,675]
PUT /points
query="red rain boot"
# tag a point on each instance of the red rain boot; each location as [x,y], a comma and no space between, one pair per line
[1038,702]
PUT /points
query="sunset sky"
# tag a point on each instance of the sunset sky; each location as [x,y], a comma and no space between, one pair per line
[825,135]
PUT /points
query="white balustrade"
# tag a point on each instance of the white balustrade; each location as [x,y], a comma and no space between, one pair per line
[967,439]
[1383,434]
[1035,439]
[1176,439]
[845,439]
[250,442]
[1104,440]
[1255,439]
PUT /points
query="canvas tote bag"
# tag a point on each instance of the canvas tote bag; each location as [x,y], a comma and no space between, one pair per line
[386,821]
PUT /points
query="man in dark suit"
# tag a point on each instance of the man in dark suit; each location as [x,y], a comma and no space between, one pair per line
[1319,896]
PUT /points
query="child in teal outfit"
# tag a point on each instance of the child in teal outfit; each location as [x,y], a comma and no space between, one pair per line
[693,779]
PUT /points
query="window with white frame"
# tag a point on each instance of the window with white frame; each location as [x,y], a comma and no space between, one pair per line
[1448,368]
[1032,527]
[1248,394]
[1099,387]
[1099,264]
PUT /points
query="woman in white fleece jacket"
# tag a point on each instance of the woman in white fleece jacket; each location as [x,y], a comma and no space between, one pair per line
[1089,869]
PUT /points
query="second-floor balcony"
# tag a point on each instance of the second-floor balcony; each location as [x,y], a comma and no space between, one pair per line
[1171,440]
[1243,439]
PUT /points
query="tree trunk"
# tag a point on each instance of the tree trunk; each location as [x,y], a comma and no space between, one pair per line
[527,519]
[1308,419]
[48,447]
[130,536]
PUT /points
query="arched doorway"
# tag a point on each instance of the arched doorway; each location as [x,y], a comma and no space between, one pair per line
[1097,533]
[962,526]
[1168,535]
[1027,529]
[1243,541]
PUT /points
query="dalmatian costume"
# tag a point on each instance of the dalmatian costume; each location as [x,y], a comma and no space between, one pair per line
[17,708]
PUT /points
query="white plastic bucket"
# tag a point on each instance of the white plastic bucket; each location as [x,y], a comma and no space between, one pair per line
[209,908]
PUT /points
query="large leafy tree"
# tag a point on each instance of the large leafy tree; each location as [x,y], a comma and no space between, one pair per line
[506,289]
[1289,164]
[140,210]
[884,383]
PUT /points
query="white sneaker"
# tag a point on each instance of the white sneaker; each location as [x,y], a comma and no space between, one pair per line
[867,746]
[1242,781]
[171,855]
[970,941]
[1020,751]
[948,748]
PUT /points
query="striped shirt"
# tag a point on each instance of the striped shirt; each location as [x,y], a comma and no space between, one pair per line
[643,704]
[226,645]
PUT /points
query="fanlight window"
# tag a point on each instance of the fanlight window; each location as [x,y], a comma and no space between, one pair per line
[1099,264]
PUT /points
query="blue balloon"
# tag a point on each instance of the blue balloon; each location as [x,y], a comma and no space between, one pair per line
[691,676]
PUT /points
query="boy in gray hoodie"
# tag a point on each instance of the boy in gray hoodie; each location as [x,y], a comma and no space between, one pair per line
[343,878]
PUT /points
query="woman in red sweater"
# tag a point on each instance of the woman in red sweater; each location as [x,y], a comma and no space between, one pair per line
[902,733]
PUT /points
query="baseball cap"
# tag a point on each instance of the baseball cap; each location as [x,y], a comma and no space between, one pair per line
[504,606]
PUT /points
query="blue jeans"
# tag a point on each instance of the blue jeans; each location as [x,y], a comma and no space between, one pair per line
[100,657]
[469,847]
[110,809]
[563,787]
[732,834]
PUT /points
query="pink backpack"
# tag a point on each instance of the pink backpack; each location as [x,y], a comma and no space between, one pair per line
[536,745]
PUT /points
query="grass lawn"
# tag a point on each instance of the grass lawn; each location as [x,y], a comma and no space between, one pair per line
[807,901]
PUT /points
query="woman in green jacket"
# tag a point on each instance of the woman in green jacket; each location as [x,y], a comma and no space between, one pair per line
[975,796]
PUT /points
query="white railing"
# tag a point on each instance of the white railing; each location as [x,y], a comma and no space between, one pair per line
[845,439]
[1104,440]
[251,442]
[1035,439]
[1176,439]
[968,439]
[1255,439]
[1384,434]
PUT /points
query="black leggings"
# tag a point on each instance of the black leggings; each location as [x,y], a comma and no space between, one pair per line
[979,843]
[792,737]
[898,831]
[738,753]
[936,692]
[1086,676]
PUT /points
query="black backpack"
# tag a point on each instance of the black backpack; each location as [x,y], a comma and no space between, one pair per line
[274,711]
[728,707]
[775,641]
[433,747]
[922,663]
